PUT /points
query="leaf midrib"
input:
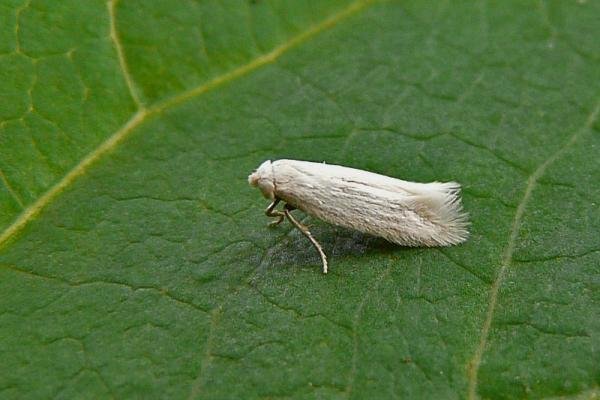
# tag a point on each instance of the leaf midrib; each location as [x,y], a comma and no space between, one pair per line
[144,114]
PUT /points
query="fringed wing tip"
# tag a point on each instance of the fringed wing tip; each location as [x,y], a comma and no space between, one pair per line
[444,206]
[454,220]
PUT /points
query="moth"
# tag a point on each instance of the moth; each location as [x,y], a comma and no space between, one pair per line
[402,212]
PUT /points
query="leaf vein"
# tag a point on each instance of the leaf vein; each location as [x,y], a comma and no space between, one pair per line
[18,12]
[145,114]
[114,36]
[134,288]
[215,316]
[506,260]
[355,322]
[10,189]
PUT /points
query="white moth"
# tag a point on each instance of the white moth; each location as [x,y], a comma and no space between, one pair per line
[406,213]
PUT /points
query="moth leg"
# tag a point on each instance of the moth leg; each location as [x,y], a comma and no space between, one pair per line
[271,212]
[306,233]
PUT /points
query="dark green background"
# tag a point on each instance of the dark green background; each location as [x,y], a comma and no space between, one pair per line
[135,261]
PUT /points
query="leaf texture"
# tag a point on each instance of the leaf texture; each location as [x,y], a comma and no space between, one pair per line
[135,261]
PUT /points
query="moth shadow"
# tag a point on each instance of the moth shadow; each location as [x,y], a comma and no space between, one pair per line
[337,243]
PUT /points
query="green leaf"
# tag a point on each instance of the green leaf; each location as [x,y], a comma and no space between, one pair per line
[135,261]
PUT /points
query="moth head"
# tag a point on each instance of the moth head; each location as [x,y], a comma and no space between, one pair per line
[263,179]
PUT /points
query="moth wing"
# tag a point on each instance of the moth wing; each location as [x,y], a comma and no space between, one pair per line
[403,212]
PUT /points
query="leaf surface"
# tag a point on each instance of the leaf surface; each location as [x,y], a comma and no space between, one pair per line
[135,261]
